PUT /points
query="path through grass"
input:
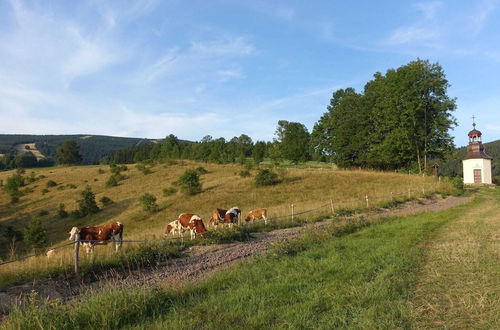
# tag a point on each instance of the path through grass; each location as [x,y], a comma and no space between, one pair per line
[359,280]
[459,286]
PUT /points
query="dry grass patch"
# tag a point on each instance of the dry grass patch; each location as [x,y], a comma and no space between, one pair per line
[460,281]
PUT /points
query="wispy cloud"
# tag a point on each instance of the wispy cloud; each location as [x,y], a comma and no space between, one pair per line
[481,15]
[411,34]
[429,9]
[223,47]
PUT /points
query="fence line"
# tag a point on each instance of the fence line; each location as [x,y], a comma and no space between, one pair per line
[292,215]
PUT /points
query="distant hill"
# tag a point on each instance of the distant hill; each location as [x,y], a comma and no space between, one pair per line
[92,147]
[453,165]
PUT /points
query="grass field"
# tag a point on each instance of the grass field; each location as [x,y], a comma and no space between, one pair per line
[222,187]
[369,279]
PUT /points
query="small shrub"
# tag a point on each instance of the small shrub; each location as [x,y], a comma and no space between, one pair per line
[143,169]
[201,170]
[105,200]
[266,177]
[43,213]
[87,205]
[169,192]
[28,190]
[61,211]
[35,235]
[44,191]
[71,186]
[61,187]
[96,179]
[32,177]
[51,183]
[101,171]
[14,199]
[190,182]
[457,183]
[245,173]
[41,176]
[148,202]
[111,181]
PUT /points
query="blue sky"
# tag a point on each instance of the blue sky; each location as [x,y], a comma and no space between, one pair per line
[193,68]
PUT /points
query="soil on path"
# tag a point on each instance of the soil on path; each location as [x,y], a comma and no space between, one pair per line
[201,260]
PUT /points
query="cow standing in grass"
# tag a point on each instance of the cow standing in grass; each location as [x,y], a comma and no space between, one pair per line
[217,217]
[232,216]
[193,223]
[257,215]
[173,228]
[98,235]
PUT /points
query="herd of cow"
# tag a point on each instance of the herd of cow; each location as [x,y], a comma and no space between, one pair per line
[100,235]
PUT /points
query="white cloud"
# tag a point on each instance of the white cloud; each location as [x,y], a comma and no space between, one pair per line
[225,75]
[481,15]
[411,34]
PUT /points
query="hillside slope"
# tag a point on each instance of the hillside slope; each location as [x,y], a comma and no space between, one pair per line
[92,147]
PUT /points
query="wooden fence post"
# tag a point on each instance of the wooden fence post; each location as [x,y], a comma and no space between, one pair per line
[409,193]
[76,255]
[423,190]
[331,205]
[292,211]
[367,203]
[392,196]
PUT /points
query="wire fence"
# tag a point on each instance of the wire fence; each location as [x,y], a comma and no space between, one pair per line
[408,193]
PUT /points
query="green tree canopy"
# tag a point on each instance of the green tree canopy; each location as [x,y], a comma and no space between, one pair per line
[293,141]
[400,121]
[68,153]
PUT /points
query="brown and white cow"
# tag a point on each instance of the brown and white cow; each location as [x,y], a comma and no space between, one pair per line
[257,215]
[193,223]
[174,228]
[232,215]
[217,217]
[98,235]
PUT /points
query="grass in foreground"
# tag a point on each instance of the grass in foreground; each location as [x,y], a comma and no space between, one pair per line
[323,280]
[459,285]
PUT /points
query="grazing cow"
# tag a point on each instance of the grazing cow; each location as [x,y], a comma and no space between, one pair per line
[51,253]
[217,217]
[232,215]
[98,235]
[257,215]
[193,223]
[173,228]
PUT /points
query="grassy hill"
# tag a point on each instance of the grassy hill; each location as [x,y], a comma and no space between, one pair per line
[92,147]
[307,189]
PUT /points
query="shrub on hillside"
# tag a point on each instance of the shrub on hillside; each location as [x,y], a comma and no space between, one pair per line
[87,205]
[169,191]
[43,213]
[105,200]
[266,177]
[112,181]
[245,173]
[101,171]
[141,167]
[457,183]
[61,211]
[51,183]
[44,191]
[201,170]
[190,182]
[148,202]
[35,235]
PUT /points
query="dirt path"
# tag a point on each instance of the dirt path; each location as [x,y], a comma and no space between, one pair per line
[201,260]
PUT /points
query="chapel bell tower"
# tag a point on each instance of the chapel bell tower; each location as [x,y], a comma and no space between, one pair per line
[476,164]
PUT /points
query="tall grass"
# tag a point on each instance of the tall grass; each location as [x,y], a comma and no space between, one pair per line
[358,278]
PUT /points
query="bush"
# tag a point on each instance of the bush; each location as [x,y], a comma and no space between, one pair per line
[457,183]
[61,212]
[71,186]
[190,182]
[44,191]
[143,169]
[105,200]
[43,213]
[51,183]
[148,202]
[61,187]
[111,181]
[169,191]
[35,235]
[87,205]
[101,171]
[32,177]
[266,177]
[245,173]
[201,170]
